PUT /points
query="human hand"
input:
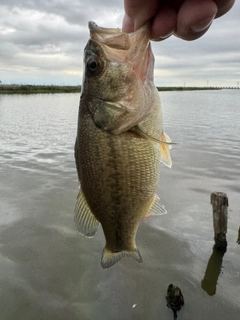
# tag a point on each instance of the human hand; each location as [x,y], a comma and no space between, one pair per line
[186,19]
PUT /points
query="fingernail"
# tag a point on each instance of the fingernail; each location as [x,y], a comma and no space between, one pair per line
[202,25]
[164,37]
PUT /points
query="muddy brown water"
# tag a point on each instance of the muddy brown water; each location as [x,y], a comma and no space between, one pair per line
[48,271]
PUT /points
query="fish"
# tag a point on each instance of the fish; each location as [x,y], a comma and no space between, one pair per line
[120,140]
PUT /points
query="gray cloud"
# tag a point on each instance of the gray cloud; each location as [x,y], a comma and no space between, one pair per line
[42,42]
[214,58]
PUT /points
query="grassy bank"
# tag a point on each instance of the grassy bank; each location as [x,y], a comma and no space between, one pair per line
[186,88]
[30,89]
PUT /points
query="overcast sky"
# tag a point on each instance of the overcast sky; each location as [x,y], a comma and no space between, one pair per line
[42,42]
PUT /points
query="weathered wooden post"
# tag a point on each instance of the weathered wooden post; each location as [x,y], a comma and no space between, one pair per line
[219,201]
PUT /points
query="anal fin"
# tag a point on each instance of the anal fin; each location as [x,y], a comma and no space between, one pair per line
[84,219]
[157,208]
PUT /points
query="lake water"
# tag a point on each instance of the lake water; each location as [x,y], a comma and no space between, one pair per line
[48,271]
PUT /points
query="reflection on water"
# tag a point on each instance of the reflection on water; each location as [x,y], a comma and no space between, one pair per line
[48,271]
[209,283]
[238,239]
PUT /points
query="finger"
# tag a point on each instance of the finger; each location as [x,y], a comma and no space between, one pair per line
[127,24]
[223,6]
[139,12]
[164,23]
[194,18]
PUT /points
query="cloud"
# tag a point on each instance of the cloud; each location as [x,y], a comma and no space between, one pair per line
[212,59]
[43,41]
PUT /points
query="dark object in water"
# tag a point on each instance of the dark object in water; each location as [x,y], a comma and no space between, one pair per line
[219,201]
[238,239]
[213,271]
[175,299]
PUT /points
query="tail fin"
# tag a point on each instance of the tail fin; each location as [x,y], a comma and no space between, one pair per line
[110,258]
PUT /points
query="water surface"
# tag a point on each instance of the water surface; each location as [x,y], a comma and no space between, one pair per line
[48,271]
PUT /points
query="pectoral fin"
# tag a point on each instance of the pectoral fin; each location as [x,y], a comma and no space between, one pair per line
[144,135]
[84,219]
[165,150]
[164,141]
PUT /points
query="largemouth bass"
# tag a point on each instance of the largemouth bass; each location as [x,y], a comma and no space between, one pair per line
[120,140]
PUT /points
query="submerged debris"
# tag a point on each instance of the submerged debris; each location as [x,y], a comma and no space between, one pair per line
[175,299]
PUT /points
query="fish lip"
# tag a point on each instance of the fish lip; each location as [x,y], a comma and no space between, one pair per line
[94,27]
[111,31]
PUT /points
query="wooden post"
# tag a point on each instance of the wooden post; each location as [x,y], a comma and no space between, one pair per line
[219,201]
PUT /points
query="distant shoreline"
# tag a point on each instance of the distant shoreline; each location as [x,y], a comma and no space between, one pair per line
[34,89]
[186,88]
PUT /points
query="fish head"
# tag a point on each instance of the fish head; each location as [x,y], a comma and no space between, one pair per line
[118,77]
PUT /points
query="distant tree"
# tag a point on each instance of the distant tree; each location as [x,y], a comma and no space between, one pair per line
[0,82]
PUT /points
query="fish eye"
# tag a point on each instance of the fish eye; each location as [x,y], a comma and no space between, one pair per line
[94,66]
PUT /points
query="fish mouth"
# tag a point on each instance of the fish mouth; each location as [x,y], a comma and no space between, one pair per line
[111,31]
[121,46]
[114,37]
[94,27]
